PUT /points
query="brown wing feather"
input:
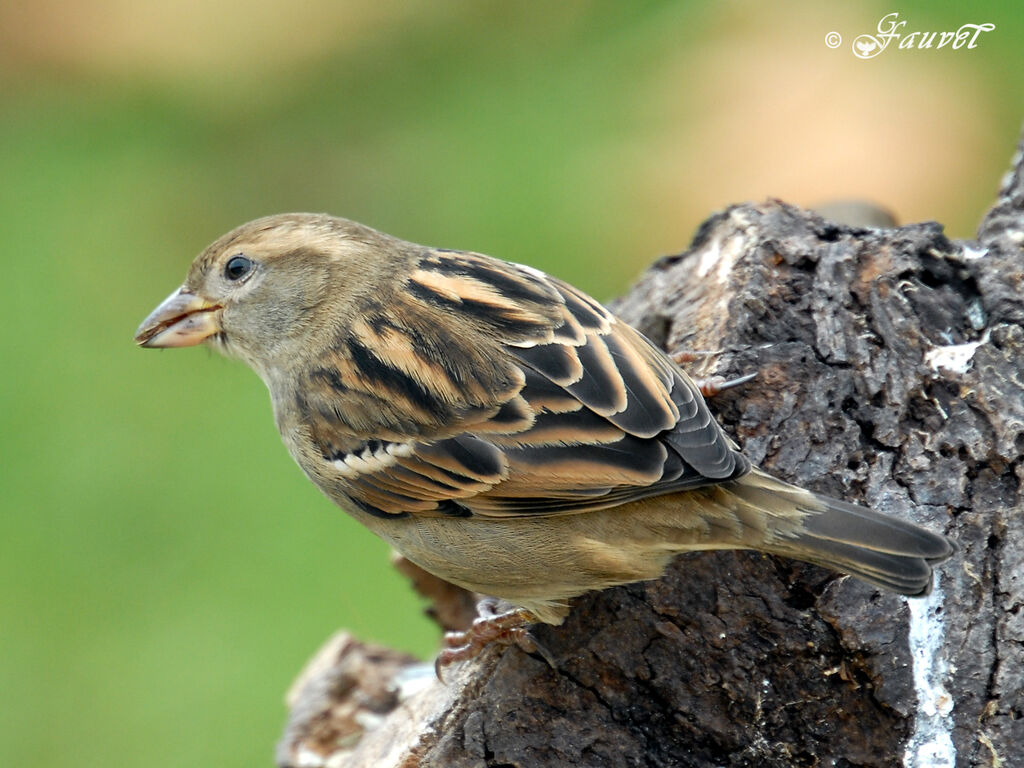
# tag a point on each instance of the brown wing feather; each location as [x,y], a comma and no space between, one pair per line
[542,402]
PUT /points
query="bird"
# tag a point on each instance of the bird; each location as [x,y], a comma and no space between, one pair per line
[498,427]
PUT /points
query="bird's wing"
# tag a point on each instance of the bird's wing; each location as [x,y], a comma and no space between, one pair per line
[543,402]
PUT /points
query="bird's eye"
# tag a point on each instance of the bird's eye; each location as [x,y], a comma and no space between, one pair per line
[237,267]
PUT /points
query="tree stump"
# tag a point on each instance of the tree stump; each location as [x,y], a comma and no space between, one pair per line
[889,372]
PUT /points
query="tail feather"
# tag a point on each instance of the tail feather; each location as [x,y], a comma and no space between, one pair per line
[880,549]
[902,574]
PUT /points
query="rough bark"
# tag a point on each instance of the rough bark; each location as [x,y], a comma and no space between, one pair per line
[889,373]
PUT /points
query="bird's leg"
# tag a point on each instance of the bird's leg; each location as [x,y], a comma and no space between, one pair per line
[507,628]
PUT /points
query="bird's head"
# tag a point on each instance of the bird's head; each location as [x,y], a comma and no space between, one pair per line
[260,291]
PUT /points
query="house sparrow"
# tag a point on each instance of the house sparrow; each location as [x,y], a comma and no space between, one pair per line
[498,427]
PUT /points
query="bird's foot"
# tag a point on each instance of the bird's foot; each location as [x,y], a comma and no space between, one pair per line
[506,628]
[714,385]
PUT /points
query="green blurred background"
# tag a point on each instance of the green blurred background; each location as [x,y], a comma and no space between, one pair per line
[165,570]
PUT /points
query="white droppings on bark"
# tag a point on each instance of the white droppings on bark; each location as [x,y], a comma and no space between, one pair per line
[955,358]
[721,255]
[972,254]
[931,744]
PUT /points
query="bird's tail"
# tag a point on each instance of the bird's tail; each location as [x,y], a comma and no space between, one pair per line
[882,550]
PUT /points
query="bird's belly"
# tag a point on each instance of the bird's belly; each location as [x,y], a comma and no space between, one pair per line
[529,562]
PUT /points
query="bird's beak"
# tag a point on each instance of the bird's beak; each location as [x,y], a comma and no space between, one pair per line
[182,320]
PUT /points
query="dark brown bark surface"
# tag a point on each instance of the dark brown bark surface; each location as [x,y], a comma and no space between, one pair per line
[890,372]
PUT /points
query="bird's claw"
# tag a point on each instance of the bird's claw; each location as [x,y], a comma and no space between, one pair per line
[714,385]
[507,628]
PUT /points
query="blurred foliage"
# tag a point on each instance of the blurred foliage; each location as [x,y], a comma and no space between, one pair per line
[164,568]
